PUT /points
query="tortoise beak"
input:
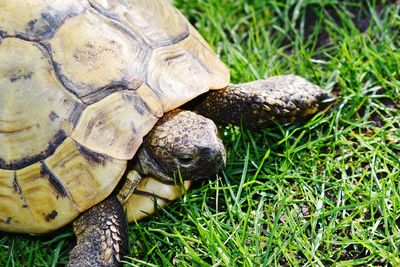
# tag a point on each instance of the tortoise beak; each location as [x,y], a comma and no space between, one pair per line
[210,162]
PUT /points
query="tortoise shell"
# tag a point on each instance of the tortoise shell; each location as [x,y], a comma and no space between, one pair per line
[81,83]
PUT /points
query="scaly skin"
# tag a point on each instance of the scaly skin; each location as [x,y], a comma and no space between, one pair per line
[259,104]
[102,235]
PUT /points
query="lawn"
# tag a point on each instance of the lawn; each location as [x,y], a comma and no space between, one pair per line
[320,193]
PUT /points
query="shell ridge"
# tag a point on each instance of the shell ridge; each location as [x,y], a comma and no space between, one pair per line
[107,90]
[55,183]
[17,188]
[46,50]
[57,140]
[177,40]
[45,25]
[119,25]
[136,33]
[62,79]
[148,106]
[92,155]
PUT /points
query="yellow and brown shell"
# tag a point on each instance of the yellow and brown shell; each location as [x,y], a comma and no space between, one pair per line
[81,83]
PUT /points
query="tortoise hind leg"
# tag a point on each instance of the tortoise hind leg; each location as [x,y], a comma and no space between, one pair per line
[258,104]
[102,235]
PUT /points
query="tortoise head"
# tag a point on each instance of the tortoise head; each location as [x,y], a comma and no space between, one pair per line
[182,142]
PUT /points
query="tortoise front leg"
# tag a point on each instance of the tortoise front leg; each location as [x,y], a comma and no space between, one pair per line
[102,235]
[257,104]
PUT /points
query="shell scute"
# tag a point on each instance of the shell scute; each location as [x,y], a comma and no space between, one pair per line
[36,19]
[35,107]
[85,175]
[91,53]
[43,201]
[115,125]
[164,25]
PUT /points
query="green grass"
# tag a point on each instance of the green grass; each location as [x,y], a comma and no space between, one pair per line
[322,193]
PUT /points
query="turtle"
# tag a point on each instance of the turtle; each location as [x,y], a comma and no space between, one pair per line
[92,90]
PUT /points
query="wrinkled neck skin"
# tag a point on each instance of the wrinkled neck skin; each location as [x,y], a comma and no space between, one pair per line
[148,166]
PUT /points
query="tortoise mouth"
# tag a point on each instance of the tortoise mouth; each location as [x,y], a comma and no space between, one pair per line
[209,162]
[203,165]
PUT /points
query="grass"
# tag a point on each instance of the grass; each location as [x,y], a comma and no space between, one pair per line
[321,193]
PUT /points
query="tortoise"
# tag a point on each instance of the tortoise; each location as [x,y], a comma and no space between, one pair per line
[88,86]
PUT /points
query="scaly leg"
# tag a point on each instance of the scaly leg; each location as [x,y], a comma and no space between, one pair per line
[102,235]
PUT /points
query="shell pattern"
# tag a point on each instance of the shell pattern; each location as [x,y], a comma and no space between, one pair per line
[81,83]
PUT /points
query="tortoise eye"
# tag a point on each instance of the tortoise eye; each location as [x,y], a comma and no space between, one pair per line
[184,160]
